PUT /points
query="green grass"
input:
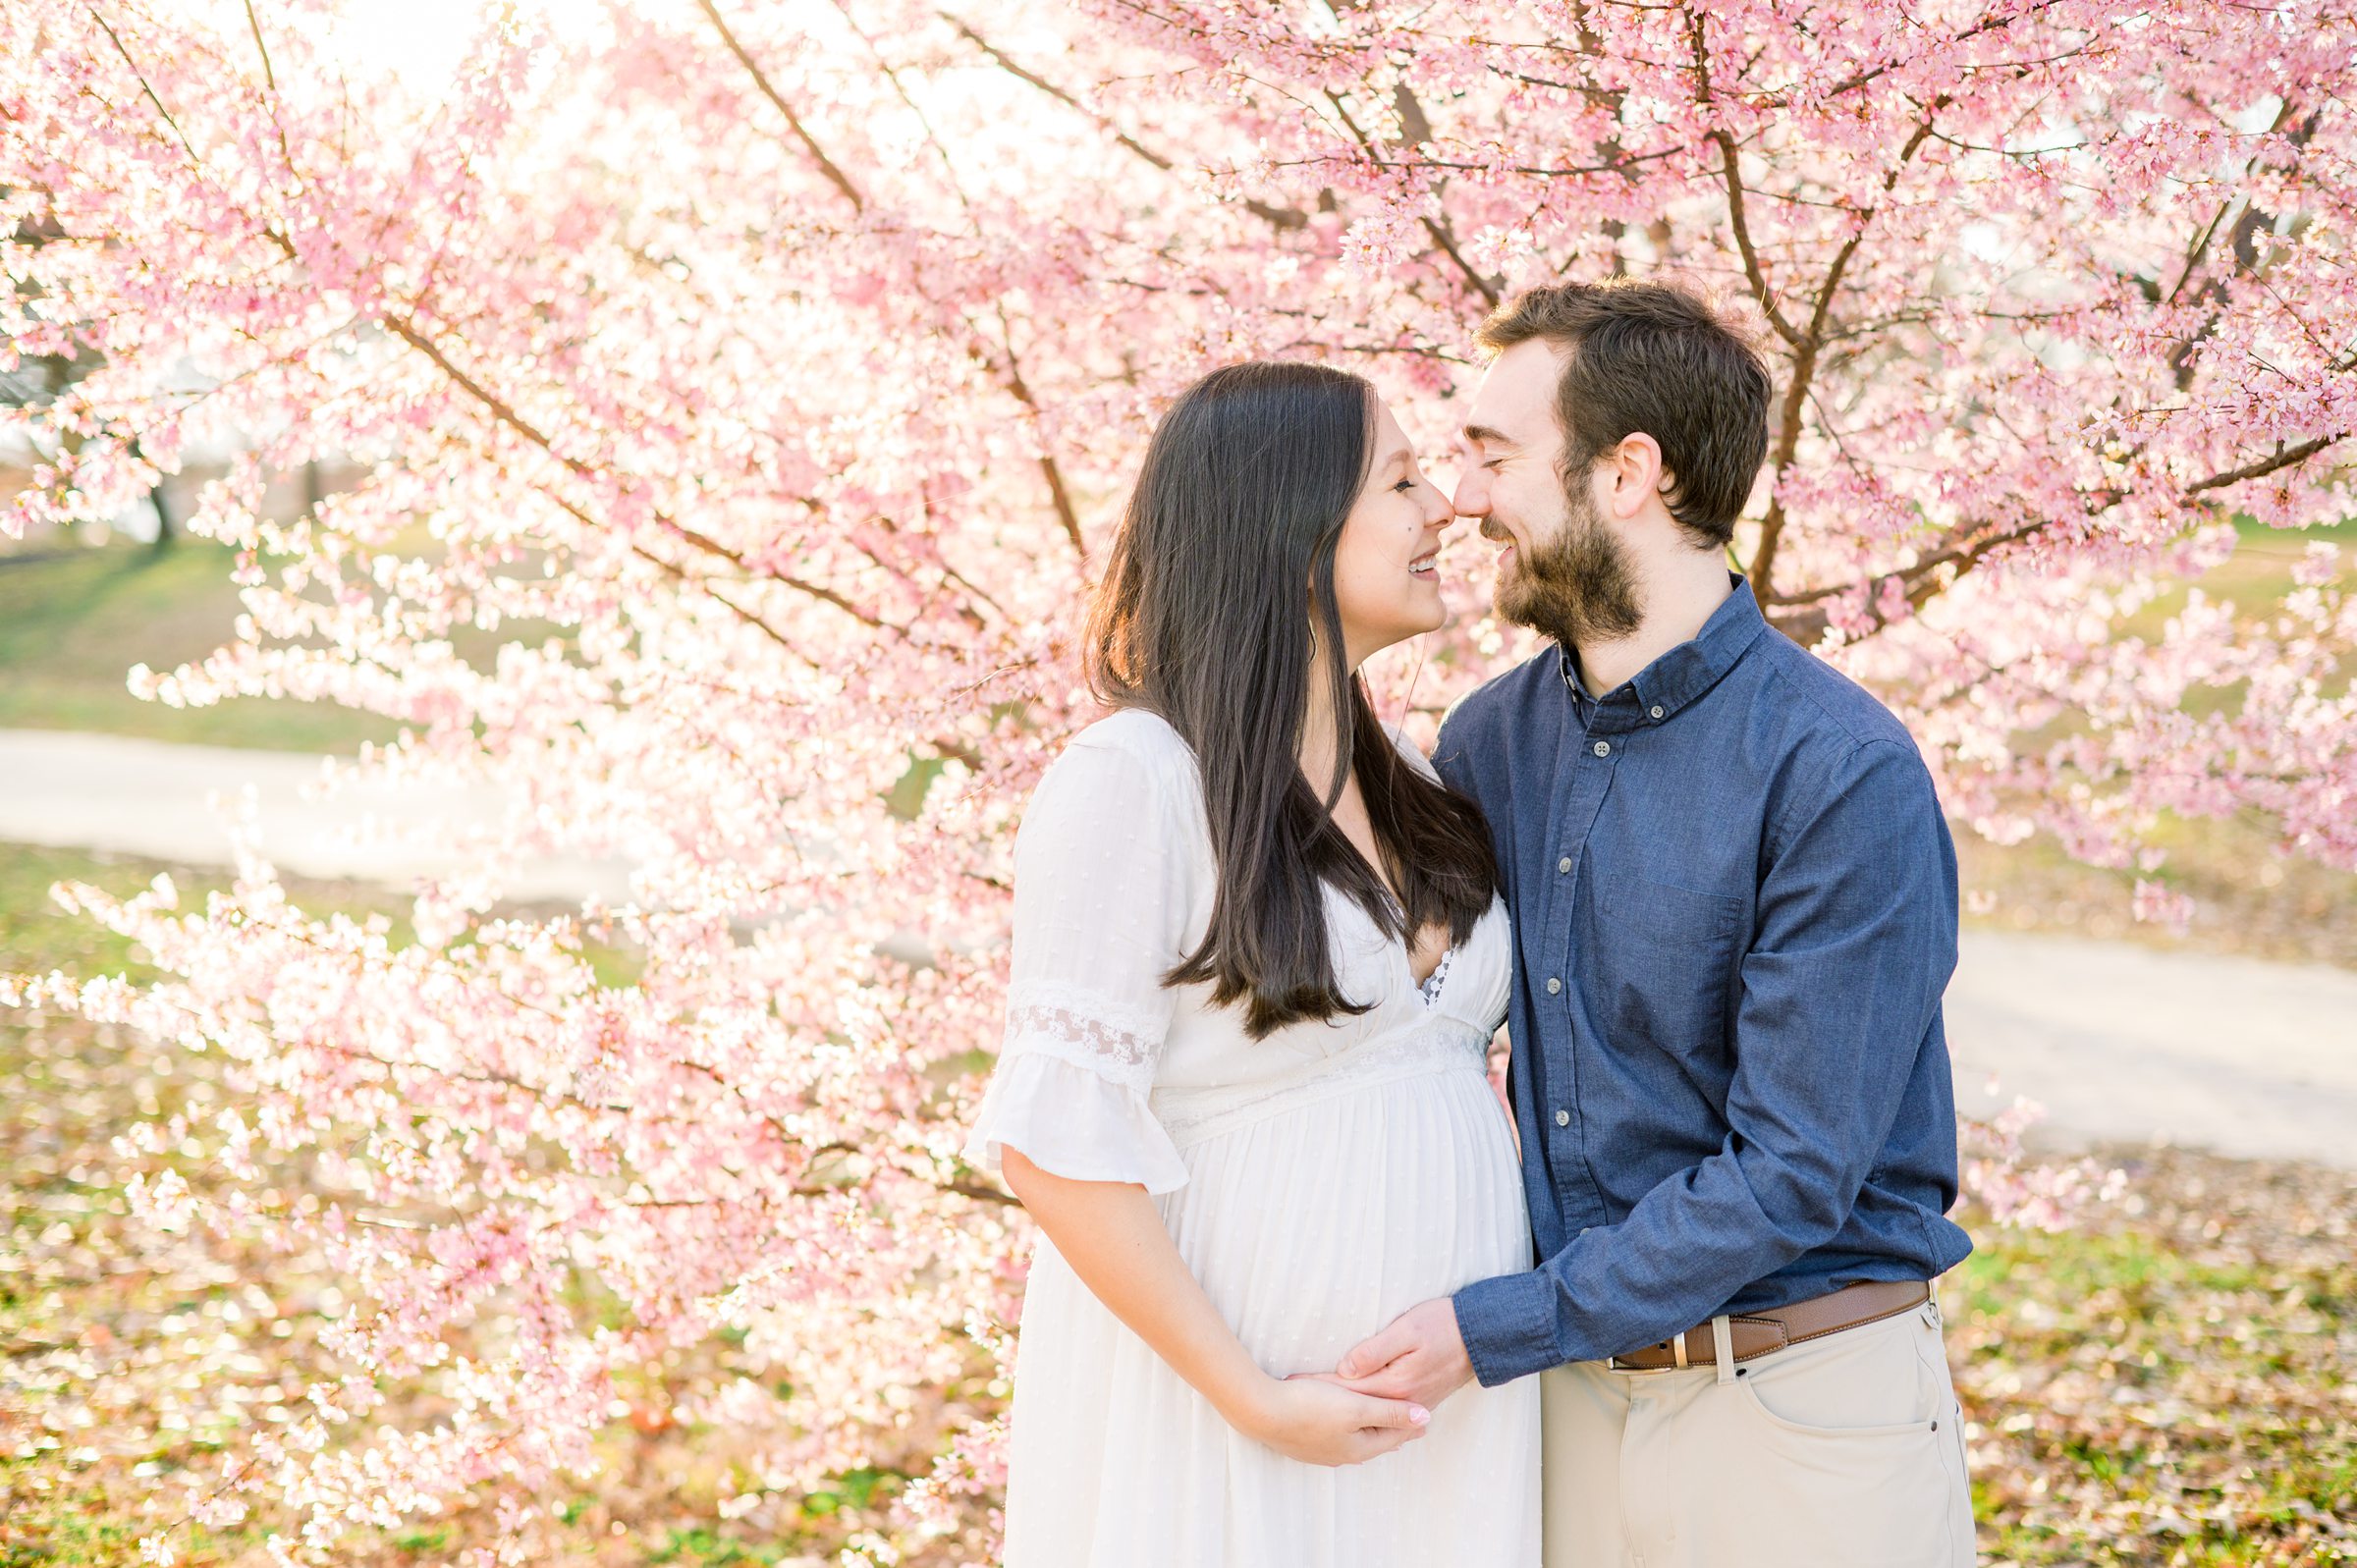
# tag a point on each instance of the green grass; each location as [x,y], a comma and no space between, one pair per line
[73,621]
[2257,575]
[2172,1384]
[704,1547]
[37,935]
[2250,897]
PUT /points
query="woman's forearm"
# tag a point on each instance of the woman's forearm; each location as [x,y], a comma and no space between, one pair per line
[1113,1237]
[1114,1240]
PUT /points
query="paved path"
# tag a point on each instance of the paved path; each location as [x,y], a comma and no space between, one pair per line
[173,802]
[2122,1044]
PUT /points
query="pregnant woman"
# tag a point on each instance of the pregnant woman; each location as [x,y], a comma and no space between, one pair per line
[1258,956]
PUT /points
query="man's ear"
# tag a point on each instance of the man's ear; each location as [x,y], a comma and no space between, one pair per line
[1636,475]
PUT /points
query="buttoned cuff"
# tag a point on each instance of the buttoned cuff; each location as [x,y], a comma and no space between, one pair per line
[1508,1324]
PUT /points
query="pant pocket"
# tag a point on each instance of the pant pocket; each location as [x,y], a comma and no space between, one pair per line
[1838,1454]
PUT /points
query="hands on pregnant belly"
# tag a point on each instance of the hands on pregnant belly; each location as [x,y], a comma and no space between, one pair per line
[1317,1421]
[1419,1357]
[1111,1238]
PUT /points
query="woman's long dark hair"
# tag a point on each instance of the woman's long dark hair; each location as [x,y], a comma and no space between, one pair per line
[1203,617]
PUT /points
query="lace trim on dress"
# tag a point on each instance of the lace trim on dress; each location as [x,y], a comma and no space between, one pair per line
[1431,988]
[1117,1042]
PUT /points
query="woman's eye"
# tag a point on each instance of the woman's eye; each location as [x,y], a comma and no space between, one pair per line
[1405,484]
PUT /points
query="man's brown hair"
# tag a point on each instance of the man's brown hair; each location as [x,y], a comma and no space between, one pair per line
[1652,358]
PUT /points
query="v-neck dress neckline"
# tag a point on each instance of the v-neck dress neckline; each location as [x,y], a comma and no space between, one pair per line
[1432,984]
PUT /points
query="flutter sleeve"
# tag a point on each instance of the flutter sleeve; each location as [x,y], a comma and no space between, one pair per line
[1102,869]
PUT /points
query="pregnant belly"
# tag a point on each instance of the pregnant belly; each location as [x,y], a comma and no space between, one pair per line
[1314,1226]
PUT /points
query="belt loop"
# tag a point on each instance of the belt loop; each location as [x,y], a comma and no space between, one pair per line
[1677,1342]
[1723,1347]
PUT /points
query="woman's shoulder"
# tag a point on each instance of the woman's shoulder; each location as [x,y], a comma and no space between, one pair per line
[1120,784]
[1137,732]
[1132,752]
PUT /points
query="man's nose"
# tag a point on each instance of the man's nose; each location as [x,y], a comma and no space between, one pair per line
[1472,497]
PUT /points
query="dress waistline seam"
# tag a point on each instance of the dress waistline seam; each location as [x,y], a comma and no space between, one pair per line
[1418,1055]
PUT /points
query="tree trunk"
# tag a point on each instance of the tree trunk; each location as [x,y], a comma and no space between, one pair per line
[165,530]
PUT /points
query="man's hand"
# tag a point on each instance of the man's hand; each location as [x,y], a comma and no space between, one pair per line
[1420,1357]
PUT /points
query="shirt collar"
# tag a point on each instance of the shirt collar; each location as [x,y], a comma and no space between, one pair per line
[1685,672]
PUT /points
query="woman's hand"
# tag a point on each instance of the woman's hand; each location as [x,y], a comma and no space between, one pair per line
[1113,1237]
[1321,1423]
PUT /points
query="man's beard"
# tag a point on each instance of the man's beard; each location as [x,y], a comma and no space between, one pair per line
[1579,587]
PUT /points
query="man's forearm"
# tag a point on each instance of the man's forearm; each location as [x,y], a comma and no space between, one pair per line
[1688,1248]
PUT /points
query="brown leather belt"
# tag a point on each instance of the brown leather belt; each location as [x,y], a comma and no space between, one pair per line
[1759,1333]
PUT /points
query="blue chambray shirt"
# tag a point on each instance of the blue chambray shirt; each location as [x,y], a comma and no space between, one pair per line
[1734,910]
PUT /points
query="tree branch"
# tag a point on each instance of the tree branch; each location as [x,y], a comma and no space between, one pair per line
[1058,495]
[1804,620]
[999,58]
[2283,457]
[138,76]
[1284,218]
[1989,24]
[818,154]
[1806,348]
[501,412]
[1443,237]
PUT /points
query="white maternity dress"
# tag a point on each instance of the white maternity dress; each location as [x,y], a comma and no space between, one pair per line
[1318,1182]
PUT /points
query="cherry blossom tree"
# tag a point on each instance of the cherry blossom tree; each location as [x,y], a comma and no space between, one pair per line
[766,373]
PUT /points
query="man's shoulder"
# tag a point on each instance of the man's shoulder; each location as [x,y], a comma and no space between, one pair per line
[1488,703]
[1834,740]
[1828,710]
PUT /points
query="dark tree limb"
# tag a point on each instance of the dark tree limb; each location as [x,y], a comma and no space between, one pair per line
[818,154]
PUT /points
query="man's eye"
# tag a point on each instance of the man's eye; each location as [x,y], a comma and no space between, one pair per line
[1493,462]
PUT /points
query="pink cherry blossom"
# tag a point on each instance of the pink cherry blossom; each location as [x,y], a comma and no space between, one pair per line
[767,377]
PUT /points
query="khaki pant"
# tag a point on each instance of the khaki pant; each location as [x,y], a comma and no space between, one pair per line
[1845,1452]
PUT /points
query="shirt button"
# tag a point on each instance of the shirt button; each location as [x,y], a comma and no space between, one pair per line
[1564,865]
[1554,986]
[1656,711]
[1604,748]
[1562,1118]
